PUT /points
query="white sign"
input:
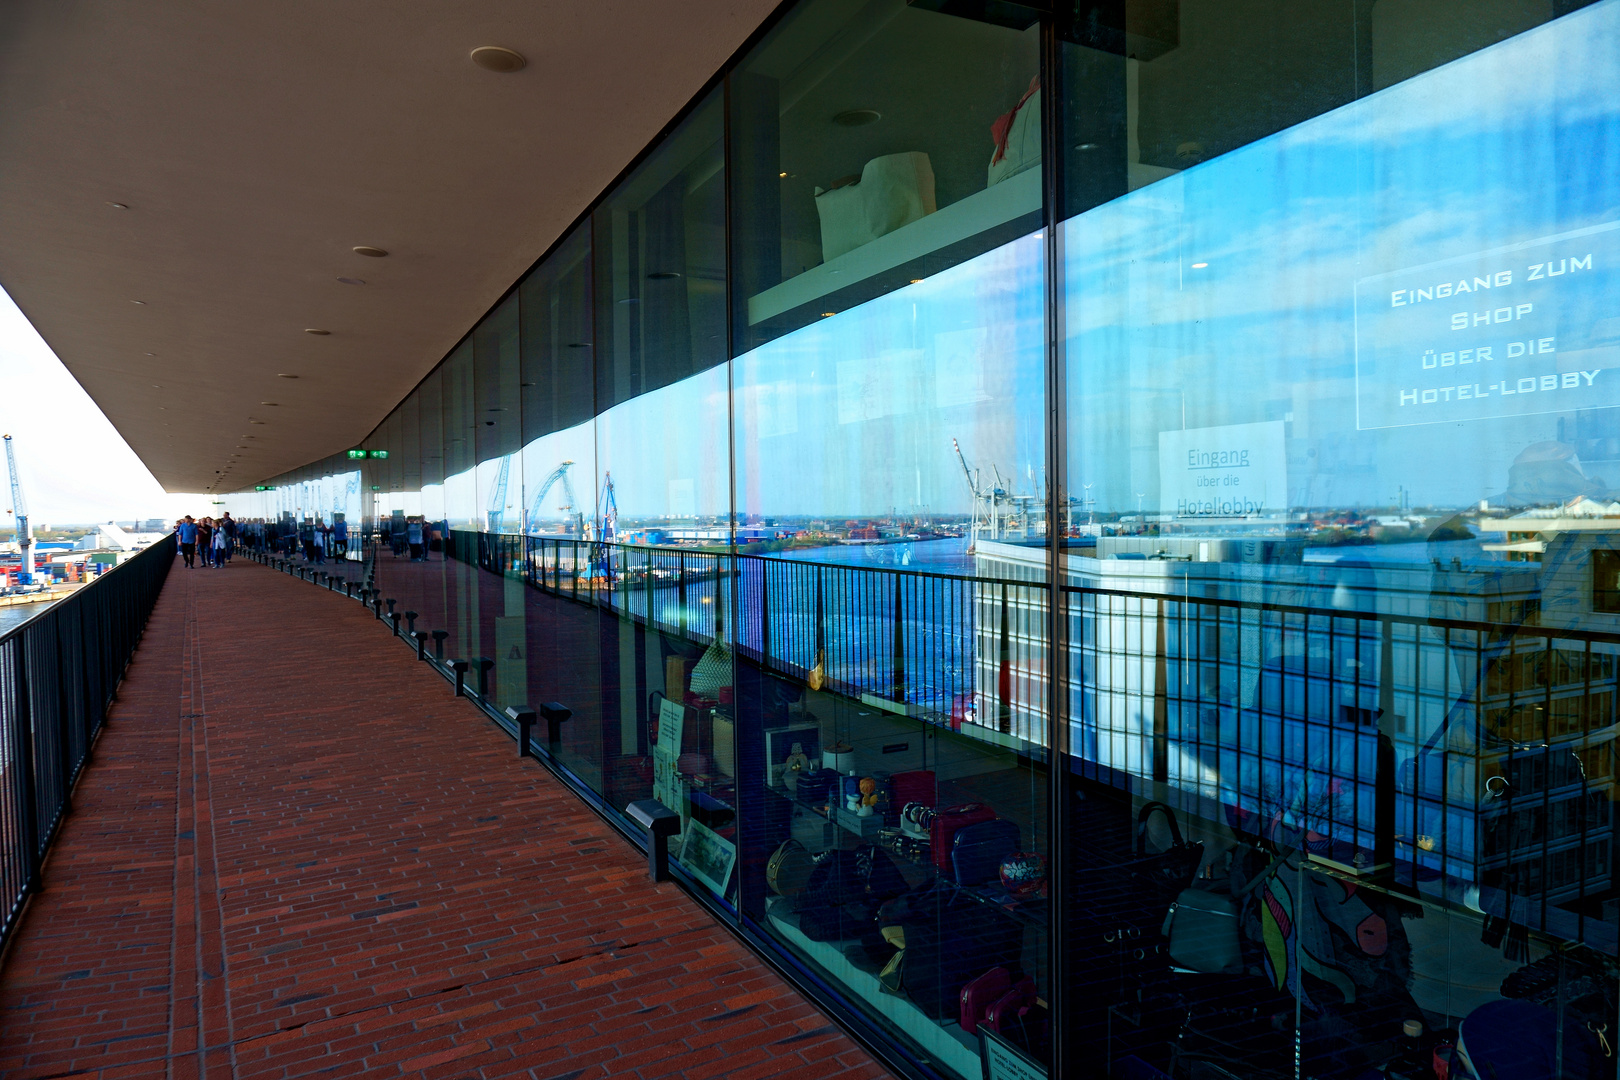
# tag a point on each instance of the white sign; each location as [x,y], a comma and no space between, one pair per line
[1232,471]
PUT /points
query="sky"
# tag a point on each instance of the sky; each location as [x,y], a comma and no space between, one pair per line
[75,467]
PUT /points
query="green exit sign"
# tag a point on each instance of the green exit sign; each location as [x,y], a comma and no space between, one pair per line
[378,453]
[356,454]
[264,487]
[376,487]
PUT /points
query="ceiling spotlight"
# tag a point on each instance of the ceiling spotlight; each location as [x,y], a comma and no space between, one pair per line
[142,303]
[857,117]
[828,314]
[317,333]
[781,176]
[494,58]
[370,252]
[119,205]
[351,281]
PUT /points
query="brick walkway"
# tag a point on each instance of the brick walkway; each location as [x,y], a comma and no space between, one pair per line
[296,854]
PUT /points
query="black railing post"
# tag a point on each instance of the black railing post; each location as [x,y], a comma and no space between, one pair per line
[410,622]
[1004,670]
[765,614]
[421,638]
[482,664]
[460,668]
[438,644]
[899,689]
[22,757]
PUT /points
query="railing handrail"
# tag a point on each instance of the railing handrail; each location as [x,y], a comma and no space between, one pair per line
[73,596]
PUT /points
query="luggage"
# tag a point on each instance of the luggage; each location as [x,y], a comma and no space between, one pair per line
[978,851]
[951,939]
[946,824]
[980,994]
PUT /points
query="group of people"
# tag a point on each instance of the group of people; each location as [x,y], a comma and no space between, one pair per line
[214,540]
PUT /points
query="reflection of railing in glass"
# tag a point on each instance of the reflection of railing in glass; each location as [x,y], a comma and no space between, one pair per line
[907,642]
[1465,760]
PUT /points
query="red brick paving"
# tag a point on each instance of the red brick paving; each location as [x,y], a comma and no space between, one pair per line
[297,854]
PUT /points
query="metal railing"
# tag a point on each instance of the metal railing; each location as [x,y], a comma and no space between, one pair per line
[58,673]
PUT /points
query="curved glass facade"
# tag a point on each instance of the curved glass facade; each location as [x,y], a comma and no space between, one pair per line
[1096,523]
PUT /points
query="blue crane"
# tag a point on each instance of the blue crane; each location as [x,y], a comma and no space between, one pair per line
[19,507]
[570,510]
[610,510]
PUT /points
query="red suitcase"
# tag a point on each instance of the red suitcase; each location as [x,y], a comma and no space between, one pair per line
[947,823]
[980,994]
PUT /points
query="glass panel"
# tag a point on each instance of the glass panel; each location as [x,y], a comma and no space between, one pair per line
[876,143]
[1336,344]
[668,708]
[890,480]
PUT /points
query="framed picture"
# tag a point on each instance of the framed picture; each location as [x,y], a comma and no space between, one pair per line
[708,856]
[1003,1061]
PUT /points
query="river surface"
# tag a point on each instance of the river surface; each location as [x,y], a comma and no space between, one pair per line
[16,615]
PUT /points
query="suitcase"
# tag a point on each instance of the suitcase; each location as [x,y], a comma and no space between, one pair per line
[980,994]
[946,824]
[978,851]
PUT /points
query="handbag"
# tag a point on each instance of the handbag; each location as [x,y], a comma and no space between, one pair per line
[789,869]
[1202,928]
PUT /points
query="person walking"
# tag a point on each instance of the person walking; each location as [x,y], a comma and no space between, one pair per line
[187,530]
[205,541]
[413,537]
[231,530]
[222,546]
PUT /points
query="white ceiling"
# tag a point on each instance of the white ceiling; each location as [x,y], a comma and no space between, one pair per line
[256,144]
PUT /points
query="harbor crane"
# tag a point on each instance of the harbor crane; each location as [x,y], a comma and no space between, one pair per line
[19,508]
[496,510]
[571,509]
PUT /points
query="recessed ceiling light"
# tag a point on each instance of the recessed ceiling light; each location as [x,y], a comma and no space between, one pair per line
[916,281]
[151,354]
[494,58]
[317,333]
[1199,266]
[155,386]
[579,344]
[1088,146]
[370,252]
[283,376]
[351,281]
[828,314]
[857,117]
[782,175]
[269,403]
[140,302]
[663,275]
[119,205]
[255,421]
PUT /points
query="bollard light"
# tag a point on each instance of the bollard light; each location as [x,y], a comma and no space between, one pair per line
[661,823]
[554,713]
[523,717]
